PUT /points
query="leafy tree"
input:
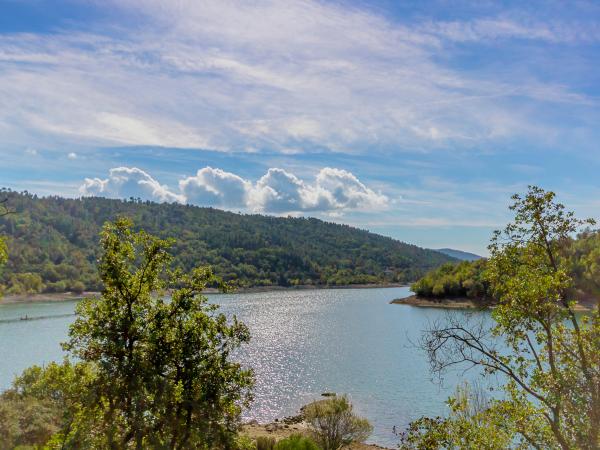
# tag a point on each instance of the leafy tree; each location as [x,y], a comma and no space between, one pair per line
[4,210]
[42,404]
[162,373]
[548,355]
[334,424]
[473,423]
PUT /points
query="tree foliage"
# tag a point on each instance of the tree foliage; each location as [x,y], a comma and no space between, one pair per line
[153,371]
[579,256]
[547,354]
[55,238]
[471,424]
[462,280]
[334,424]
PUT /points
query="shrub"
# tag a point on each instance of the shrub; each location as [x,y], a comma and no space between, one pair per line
[244,443]
[296,442]
[334,425]
[77,287]
[265,443]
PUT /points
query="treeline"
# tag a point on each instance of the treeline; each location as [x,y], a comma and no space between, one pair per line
[52,242]
[467,279]
[462,280]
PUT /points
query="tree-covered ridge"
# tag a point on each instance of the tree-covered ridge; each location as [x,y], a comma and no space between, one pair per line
[53,245]
[467,279]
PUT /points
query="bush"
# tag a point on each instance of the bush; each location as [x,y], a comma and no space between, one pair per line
[244,443]
[334,425]
[77,287]
[296,442]
[265,443]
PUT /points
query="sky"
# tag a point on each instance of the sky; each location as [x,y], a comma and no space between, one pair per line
[413,119]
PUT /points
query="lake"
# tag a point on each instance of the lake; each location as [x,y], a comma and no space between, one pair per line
[304,343]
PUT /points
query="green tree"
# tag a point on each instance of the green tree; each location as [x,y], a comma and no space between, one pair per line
[163,376]
[4,211]
[548,355]
[334,425]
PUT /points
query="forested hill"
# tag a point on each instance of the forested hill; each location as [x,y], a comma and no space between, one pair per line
[459,254]
[53,245]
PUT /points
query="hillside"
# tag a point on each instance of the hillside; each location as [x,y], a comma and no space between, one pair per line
[53,245]
[466,279]
[459,254]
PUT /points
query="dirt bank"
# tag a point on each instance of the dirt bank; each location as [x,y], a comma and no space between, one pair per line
[585,304]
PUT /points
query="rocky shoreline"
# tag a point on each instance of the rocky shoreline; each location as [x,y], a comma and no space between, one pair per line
[283,428]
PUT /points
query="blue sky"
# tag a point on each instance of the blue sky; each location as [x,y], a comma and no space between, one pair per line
[413,119]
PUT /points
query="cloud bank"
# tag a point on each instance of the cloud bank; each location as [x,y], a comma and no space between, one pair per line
[277,192]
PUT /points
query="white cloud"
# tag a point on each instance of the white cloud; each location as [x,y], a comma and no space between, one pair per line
[507,28]
[347,191]
[126,182]
[278,191]
[72,155]
[230,75]
[333,190]
[215,187]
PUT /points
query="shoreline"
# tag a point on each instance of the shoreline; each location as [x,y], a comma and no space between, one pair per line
[467,303]
[445,303]
[284,427]
[71,296]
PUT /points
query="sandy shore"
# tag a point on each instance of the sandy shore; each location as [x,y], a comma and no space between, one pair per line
[466,303]
[50,297]
[70,296]
[447,303]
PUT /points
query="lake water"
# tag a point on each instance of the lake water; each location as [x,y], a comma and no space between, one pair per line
[304,343]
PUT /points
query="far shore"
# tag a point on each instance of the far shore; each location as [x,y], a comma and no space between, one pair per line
[73,296]
[467,303]
[447,303]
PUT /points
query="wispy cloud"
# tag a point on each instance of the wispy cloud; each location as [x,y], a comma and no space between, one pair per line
[504,28]
[291,77]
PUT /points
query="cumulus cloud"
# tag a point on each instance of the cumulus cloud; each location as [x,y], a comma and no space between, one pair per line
[126,182]
[277,192]
[347,191]
[280,191]
[215,187]
[333,190]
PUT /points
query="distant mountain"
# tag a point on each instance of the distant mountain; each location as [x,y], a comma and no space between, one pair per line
[459,254]
[53,245]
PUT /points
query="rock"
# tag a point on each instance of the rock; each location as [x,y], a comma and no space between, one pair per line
[328,394]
